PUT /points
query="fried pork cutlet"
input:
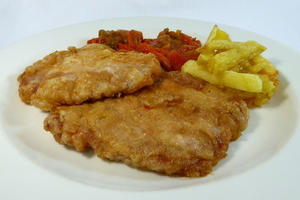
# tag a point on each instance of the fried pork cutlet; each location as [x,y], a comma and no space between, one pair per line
[179,125]
[86,74]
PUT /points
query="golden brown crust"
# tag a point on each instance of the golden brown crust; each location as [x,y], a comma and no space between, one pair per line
[180,125]
[85,74]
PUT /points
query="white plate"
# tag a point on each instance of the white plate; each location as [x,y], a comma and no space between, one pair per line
[262,164]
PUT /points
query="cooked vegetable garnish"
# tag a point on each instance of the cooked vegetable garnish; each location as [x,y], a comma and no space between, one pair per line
[172,48]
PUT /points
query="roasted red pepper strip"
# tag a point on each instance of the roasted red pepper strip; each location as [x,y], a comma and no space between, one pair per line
[190,41]
[125,47]
[188,52]
[176,60]
[94,40]
[134,38]
[146,48]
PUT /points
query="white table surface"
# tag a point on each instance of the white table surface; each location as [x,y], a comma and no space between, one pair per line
[19,19]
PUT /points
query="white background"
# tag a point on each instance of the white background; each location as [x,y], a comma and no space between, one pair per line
[275,19]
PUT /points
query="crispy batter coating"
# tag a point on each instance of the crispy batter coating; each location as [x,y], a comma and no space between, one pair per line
[85,74]
[180,125]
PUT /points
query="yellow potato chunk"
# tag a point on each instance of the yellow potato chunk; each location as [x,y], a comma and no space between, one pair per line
[228,59]
[217,34]
[240,81]
[235,66]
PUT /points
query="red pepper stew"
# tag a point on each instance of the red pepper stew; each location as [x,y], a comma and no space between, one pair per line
[171,48]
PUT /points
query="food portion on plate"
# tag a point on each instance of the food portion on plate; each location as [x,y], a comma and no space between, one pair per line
[85,74]
[171,48]
[179,125]
[237,66]
[168,104]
